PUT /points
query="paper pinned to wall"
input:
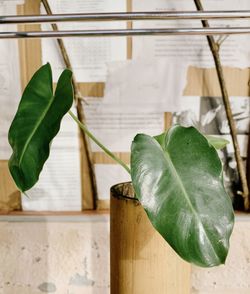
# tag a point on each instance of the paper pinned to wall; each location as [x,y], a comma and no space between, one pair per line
[88,55]
[116,129]
[11,2]
[234,51]
[10,90]
[146,85]
[59,186]
[109,175]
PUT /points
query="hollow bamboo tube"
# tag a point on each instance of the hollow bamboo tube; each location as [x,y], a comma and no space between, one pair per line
[141,260]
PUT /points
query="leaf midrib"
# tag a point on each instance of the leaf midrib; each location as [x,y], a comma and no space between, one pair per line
[35,129]
[168,159]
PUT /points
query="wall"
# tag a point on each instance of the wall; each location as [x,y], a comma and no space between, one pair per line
[73,258]
[232,278]
[55,257]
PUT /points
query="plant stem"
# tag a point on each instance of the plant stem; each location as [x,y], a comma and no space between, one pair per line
[93,138]
[214,47]
[79,107]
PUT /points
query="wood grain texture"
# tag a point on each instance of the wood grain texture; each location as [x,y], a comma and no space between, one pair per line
[204,82]
[10,197]
[55,213]
[30,60]
[141,260]
[168,116]
[30,51]
[101,157]
[87,192]
[103,205]
[129,26]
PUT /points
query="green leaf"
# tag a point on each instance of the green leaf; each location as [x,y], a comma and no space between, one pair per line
[217,142]
[36,123]
[177,177]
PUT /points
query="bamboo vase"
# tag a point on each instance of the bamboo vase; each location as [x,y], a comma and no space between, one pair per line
[141,260]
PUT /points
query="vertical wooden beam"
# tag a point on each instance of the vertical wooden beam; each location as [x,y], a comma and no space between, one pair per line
[167,120]
[10,197]
[129,26]
[30,60]
[87,192]
[30,50]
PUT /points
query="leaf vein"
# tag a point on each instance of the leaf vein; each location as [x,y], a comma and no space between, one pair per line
[183,189]
[34,131]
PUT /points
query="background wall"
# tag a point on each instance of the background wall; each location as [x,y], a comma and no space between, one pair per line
[232,278]
[73,258]
[55,257]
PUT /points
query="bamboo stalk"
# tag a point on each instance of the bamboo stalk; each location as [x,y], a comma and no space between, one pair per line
[141,261]
[214,47]
[79,107]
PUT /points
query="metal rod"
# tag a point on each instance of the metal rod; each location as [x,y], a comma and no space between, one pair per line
[165,15]
[126,32]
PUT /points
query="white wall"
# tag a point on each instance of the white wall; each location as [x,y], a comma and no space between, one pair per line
[234,277]
[73,258]
[63,258]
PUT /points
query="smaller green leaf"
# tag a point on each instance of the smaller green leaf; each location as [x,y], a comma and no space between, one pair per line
[217,142]
[36,123]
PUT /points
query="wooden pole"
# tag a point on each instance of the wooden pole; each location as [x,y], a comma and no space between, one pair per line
[215,48]
[141,260]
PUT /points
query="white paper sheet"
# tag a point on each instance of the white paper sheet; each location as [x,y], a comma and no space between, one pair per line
[10,91]
[116,130]
[109,175]
[11,2]
[88,55]
[59,186]
[148,85]
[235,50]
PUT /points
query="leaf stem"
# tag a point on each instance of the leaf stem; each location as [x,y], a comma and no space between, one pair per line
[93,138]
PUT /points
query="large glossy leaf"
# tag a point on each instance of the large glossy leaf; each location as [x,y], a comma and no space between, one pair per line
[36,123]
[178,179]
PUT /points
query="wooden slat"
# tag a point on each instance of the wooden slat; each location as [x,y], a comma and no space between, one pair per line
[101,157]
[92,89]
[87,192]
[103,205]
[29,49]
[167,120]
[54,213]
[10,198]
[129,26]
[204,82]
[30,53]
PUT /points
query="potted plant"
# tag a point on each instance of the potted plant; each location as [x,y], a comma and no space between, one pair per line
[176,176]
